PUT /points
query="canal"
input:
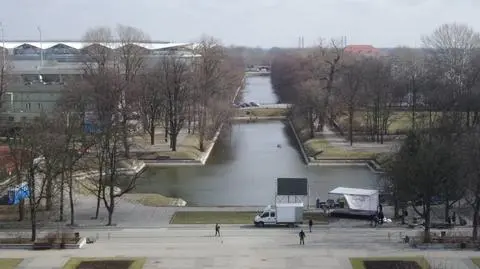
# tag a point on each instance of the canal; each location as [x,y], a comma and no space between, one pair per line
[245,163]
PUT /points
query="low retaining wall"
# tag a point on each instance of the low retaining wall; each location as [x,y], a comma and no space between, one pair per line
[81,243]
[249,119]
[300,144]
[371,164]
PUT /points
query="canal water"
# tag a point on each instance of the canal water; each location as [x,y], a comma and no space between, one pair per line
[245,163]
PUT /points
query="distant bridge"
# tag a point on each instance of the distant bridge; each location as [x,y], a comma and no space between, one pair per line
[267,106]
[258,70]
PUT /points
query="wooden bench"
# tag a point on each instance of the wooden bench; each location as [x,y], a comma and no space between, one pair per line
[42,246]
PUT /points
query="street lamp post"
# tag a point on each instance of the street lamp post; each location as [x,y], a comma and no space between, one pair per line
[41,46]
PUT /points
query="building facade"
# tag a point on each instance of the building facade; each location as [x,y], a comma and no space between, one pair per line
[37,73]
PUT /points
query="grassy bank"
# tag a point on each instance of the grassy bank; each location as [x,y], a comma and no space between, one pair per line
[187,148]
[399,121]
[228,217]
[320,148]
[150,199]
[390,262]
[261,112]
[8,263]
[114,262]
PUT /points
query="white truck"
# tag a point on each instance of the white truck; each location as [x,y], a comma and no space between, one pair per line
[287,214]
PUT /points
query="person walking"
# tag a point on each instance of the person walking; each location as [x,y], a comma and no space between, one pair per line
[301,234]
[217,230]
[310,224]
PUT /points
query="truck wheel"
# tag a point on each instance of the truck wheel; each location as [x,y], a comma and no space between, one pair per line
[261,224]
[290,225]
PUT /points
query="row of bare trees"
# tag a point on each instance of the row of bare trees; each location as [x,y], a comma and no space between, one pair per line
[342,85]
[85,144]
[437,87]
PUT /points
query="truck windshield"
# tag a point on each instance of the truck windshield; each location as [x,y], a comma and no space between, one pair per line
[264,215]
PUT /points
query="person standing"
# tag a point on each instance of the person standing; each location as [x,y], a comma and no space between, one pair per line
[310,224]
[301,234]
[217,230]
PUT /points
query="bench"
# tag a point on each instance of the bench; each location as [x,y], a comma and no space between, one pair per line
[42,246]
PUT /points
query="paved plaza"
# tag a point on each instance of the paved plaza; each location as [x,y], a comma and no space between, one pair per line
[241,247]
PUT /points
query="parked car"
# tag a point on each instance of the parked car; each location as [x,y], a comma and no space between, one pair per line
[245,105]
[254,104]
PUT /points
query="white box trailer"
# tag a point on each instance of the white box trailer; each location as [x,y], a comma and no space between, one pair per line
[282,214]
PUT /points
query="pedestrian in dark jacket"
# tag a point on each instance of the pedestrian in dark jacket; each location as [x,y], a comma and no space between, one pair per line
[310,224]
[217,230]
[301,234]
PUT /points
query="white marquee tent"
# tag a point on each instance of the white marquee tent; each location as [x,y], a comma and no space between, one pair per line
[358,199]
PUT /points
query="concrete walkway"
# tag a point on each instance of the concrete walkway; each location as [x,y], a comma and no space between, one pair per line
[241,248]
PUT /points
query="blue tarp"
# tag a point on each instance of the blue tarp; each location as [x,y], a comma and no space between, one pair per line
[18,193]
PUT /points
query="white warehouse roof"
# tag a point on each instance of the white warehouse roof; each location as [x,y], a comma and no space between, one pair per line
[79,45]
[353,191]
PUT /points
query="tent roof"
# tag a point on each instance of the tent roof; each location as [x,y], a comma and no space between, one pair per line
[353,191]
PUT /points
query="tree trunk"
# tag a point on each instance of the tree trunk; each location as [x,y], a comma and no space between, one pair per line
[126,145]
[62,197]
[311,123]
[476,210]
[447,208]
[350,126]
[33,203]
[70,196]
[167,131]
[152,132]
[173,140]
[111,206]
[427,237]
[48,190]
[202,130]
[21,210]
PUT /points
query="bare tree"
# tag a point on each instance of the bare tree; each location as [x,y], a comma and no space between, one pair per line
[309,104]
[24,146]
[151,102]
[131,62]
[420,169]
[174,78]
[207,75]
[451,49]
[5,68]
[352,83]
[330,61]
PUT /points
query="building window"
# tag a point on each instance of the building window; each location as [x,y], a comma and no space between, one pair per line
[11,118]
[39,106]
[28,106]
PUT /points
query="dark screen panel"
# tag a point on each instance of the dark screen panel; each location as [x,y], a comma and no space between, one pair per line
[292,186]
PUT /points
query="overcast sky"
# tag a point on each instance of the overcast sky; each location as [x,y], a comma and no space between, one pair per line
[265,23]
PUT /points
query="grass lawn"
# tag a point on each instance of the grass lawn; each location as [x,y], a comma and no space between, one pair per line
[262,112]
[399,121]
[227,217]
[358,263]
[315,145]
[105,263]
[150,199]
[476,261]
[186,149]
[8,263]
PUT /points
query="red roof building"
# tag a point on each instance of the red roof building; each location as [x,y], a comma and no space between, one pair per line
[368,50]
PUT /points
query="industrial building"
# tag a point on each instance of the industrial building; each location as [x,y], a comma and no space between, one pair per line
[38,70]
